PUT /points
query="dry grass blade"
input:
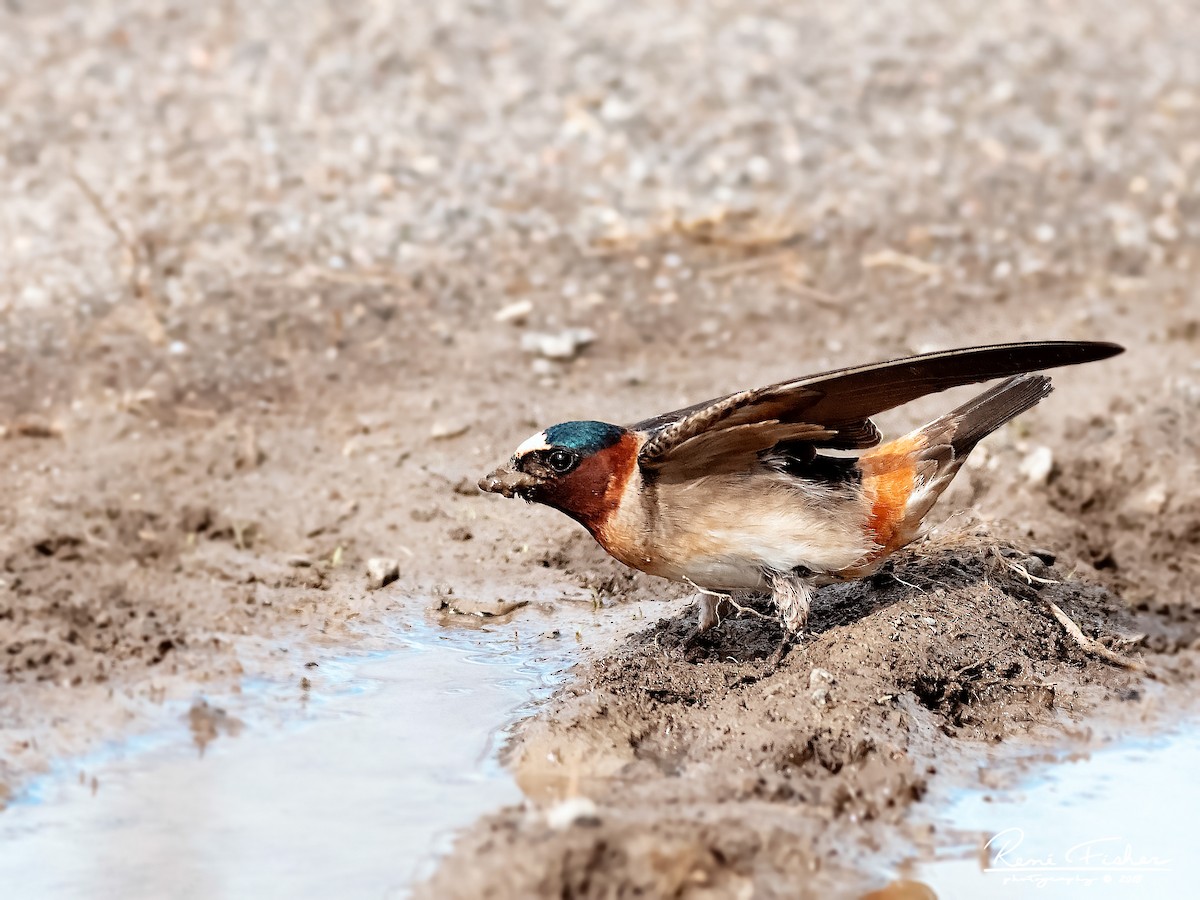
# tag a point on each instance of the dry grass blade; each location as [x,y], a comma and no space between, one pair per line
[1093,646]
[744,266]
[1021,570]
[727,598]
[1089,645]
[140,276]
[811,293]
[896,259]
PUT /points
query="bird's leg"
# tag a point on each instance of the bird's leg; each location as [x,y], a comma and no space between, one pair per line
[710,603]
[793,599]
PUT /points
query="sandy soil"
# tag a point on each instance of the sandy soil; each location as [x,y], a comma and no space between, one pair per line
[264,312]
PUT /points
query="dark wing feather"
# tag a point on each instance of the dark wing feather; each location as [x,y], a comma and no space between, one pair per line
[842,401]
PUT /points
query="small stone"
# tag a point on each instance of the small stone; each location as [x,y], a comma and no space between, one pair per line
[1150,502]
[1037,465]
[565,344]
[1047,556]
[1164,229]
[381,572]
[442,431]
[1129,228]
[820,676]
[1035,567]
[759,169]
[573,811]
[514,313]
[34,427]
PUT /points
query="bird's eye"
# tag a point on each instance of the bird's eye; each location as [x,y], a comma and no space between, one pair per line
[560,460]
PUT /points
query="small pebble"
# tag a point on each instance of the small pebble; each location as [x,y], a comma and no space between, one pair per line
[565,344]
[573,811]
[445,430]
[1046,556]
[1037,466]
[381,572]
[514,313]
[820,676]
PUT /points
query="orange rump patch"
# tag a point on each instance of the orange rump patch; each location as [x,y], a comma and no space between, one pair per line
[889,474]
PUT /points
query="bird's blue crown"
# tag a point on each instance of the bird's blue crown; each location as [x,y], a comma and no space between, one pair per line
[585,437]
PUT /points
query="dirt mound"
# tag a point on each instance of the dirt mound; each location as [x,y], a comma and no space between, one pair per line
[706,771]
[1132,499]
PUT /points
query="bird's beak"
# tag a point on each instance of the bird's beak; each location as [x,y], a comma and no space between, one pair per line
[507,482]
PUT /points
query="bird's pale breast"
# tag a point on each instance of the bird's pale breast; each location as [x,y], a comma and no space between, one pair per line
[721,532]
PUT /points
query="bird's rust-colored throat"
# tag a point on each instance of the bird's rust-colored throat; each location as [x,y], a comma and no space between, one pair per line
[593,491]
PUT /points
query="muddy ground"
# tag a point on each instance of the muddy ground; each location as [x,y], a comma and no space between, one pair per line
[269,305]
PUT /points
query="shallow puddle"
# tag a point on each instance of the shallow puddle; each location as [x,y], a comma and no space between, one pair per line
[352,797]
[1120,823]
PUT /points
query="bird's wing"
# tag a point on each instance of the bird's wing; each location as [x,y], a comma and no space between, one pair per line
[833,409]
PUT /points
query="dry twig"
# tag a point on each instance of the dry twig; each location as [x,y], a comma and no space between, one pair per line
[141,272]
[1093,646]
[1089,645]
[895,259]
[728,599]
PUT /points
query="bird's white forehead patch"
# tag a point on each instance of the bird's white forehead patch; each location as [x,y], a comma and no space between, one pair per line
[537,442]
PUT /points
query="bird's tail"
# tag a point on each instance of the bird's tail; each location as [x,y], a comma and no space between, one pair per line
[981,415]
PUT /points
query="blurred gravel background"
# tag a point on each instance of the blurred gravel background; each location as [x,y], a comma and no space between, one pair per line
[229,165]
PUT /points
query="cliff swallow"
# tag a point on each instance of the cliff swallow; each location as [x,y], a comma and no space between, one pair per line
[735,494]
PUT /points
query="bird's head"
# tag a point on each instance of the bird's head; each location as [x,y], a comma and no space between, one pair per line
[579,468]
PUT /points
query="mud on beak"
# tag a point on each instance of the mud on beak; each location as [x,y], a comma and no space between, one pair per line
[507,482]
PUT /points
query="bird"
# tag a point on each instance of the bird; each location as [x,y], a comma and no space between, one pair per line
[784,488]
